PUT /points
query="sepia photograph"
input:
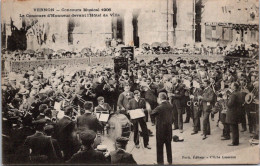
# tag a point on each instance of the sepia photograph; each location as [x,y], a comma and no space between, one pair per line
[130,82]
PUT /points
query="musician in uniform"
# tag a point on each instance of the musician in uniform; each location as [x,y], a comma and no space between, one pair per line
[206,99]
[102,106]
[186,107]
[220,107]
[249,107]
[196,108]
[177,96]
[64,133]
[163,114]
[232,116]
[139,103]
[124,98]
[88,120]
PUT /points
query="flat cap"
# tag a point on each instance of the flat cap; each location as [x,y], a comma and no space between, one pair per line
[122,140]
[87,136]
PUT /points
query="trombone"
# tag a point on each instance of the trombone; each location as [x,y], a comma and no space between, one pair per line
[75,107]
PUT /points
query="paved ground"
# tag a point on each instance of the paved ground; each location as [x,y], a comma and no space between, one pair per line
[194,150]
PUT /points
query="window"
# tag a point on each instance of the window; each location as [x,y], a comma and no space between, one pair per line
[226,34]
[253,35]
[208,30]
[214,32]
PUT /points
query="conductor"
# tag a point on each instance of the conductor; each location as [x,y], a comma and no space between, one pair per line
[163,115]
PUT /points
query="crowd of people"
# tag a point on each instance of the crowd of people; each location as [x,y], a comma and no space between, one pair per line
[113,48]
[60,110]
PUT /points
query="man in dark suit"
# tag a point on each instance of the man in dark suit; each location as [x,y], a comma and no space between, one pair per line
[120,156]
[139,103]
[206,101]
[163,116]
[64,130]
[232,116]
[87,154]
[40,145]
[151,99]
[195,92]
[177,96]
[88,121]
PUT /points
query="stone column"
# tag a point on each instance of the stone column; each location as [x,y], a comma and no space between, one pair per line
[128,26]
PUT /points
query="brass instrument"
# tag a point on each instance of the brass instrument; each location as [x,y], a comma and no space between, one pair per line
[70,102]
[189,103]
[80,98]
[196,103]
[88,85]
[251,96]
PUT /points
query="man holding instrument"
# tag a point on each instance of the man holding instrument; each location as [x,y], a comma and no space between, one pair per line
[139,103]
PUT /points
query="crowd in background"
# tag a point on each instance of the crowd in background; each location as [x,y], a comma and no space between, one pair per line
[113,48]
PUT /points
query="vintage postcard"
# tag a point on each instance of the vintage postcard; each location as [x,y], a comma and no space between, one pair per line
[130,82]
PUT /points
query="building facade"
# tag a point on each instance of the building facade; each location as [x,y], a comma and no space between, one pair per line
[177,22]
[230,21]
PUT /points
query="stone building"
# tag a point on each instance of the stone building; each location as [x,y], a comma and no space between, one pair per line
[230,21]
[136,22]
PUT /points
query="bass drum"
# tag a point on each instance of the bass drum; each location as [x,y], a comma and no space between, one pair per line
[119,126]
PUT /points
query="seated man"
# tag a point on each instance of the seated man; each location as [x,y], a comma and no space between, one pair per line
[102,107]
[120,156]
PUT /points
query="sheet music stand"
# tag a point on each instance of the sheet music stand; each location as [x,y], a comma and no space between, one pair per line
[140,140]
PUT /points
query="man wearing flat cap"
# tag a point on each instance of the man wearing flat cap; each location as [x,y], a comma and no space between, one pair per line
[87,154]
[163,115]
[120,156]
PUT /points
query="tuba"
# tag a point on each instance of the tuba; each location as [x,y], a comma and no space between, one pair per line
[251,96]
